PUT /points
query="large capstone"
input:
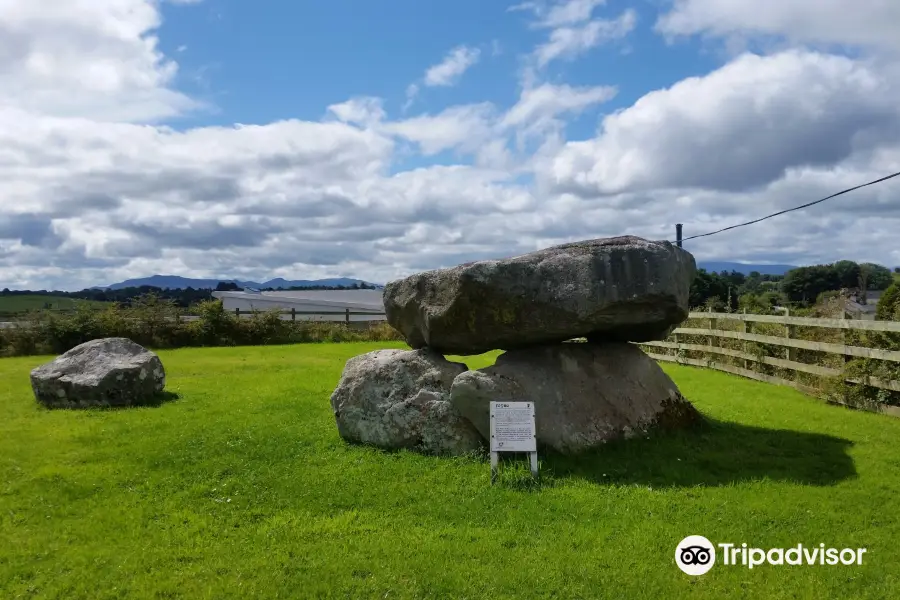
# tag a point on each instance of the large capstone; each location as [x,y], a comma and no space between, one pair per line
[400,399]
[615,289]
[584,394]
[104,372]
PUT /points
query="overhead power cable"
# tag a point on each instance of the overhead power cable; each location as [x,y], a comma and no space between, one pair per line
[807,205]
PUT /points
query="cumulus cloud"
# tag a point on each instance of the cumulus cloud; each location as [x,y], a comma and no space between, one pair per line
[97,59]
[550,100]
[741,126]
[359,111]
[459,127]
[871,23]
[96,190]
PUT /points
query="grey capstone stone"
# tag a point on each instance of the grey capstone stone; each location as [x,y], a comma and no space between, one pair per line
[400,399]
[104,372]
[585,394]
[614,289]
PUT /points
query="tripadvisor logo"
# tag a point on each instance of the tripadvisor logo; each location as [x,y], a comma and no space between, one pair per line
[696,555]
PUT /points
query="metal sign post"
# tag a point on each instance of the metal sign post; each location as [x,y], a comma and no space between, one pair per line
[513,430]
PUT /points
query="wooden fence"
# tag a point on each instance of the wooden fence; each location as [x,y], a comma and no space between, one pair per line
[341,315]
[803,363]
[346,313]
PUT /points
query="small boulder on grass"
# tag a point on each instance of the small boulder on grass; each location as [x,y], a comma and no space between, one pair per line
[104,372]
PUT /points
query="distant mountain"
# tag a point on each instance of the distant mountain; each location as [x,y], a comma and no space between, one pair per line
[746,269]
[174,282]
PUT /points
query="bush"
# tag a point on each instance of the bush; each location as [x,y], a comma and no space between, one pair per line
[888,308]
[760,304]
[865,396]
[157,323]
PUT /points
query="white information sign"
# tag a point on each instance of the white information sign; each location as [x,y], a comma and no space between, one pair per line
[512,427]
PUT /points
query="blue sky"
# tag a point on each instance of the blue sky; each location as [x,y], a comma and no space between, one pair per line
[292,59]
[218,138]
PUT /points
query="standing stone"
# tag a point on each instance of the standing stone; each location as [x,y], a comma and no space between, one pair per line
[614,289]
[104,372]
[400,399]
[584,394]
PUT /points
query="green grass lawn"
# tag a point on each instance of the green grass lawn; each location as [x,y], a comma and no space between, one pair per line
[241,488]
[26,302]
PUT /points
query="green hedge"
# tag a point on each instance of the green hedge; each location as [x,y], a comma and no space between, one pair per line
[159,324]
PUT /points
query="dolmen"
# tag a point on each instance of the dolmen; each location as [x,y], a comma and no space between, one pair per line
[104,372]
[608,292]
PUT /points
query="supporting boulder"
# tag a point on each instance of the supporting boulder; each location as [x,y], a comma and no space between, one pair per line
[104,372]
[615,289]
[585,394]
[400,399]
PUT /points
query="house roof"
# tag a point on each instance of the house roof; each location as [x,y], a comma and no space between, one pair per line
[358,299]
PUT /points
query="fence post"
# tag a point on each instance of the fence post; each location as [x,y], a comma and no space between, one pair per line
[347,317]
[789,353]
[846,358]
[746,330]
[293,314]
[237,312]
[844,333]
[712,325]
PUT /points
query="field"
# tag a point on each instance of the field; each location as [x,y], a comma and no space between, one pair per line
[241,488]
[26,302]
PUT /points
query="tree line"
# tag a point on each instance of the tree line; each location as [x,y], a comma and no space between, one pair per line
[756,292]
[802,287]
[184,297]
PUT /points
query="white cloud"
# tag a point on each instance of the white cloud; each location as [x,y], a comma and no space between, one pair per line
[412,92]
[451,69]
[366,111]
[573,31]
[87,58]
[569,13]
[741,126]
[549,101]
[94,194]
[557,13]
[570,41]
[865,22]
[461,127]
[447,73]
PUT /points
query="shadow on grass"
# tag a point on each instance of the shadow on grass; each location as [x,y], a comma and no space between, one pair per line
[716,453]
[158,400]
[154,402]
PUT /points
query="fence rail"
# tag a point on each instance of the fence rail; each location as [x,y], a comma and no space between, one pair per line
[713,350]
[346,313]
[787,319]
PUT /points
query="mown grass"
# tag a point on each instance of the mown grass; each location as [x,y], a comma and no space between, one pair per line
[241,488]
